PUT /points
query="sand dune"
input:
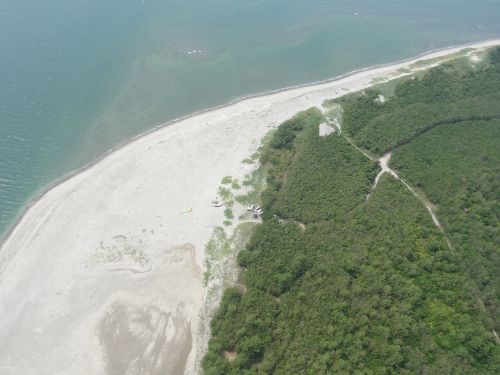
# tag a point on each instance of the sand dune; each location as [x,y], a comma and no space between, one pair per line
[103,274]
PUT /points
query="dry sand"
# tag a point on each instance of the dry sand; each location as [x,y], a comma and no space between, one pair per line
[103,274]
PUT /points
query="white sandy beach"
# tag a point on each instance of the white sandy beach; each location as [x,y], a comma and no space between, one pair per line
[103,274]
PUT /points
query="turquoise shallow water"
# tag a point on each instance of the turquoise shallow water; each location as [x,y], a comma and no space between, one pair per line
[79,77]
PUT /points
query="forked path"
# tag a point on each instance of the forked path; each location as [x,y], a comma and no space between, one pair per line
[384,168]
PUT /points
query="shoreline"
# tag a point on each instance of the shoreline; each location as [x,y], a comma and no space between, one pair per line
[43,191]
[105,268]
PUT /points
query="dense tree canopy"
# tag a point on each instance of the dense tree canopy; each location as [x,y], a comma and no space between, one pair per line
[458,167]
[338,284]
[445,94]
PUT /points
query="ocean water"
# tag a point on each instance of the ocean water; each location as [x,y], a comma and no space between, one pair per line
[78,77]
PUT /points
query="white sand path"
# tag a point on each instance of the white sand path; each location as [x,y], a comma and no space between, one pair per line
[384,168]
[102,275]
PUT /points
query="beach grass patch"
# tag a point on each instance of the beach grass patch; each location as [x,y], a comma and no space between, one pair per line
[226,180]
[225,194]
[235,185]
[255,181]
[228,213]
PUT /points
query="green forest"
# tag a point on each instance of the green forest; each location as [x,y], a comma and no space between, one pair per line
[335,283]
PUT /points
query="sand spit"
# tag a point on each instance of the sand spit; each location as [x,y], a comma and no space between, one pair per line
[103,274]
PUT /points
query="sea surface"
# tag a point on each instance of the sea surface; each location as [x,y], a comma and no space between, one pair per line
[79,77]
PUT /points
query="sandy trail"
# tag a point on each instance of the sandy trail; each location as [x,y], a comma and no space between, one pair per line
[384,168]
[103,274]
